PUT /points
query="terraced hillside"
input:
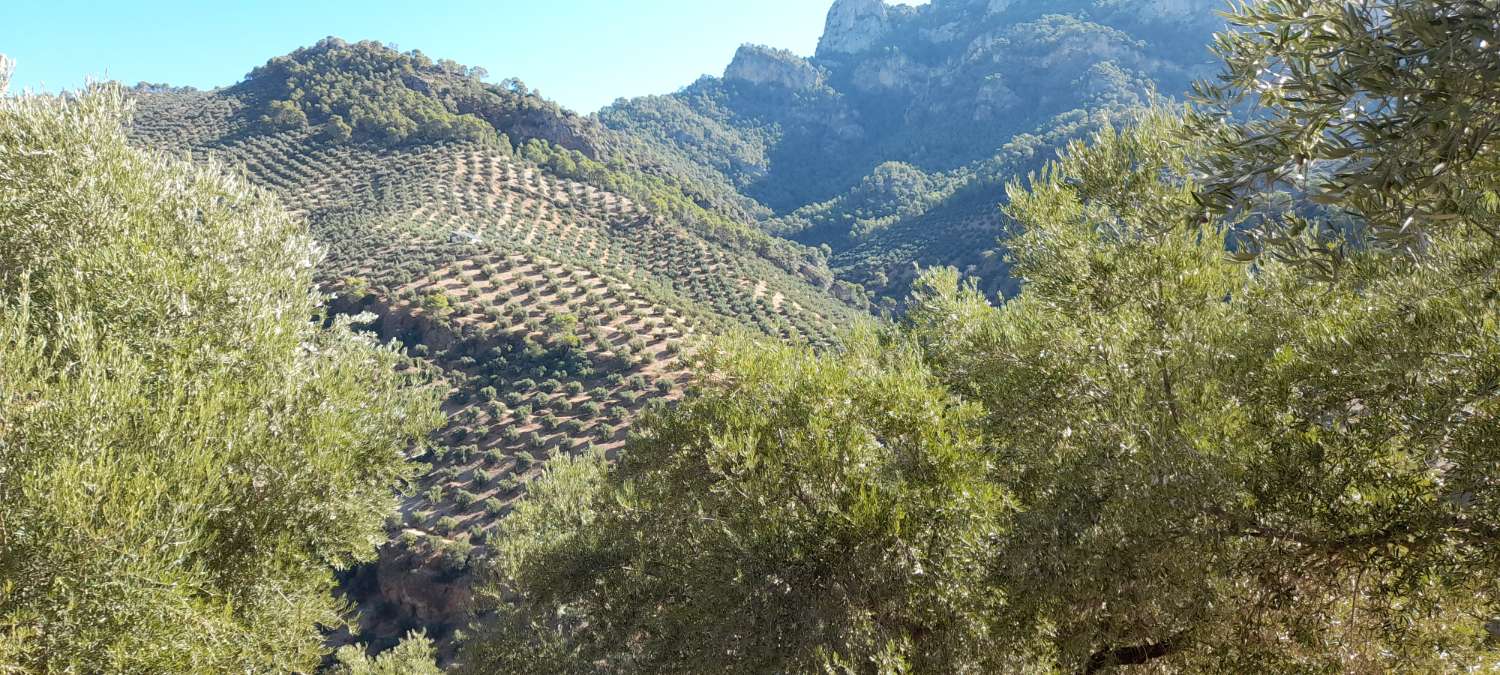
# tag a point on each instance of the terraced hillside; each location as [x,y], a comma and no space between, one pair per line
[553,310]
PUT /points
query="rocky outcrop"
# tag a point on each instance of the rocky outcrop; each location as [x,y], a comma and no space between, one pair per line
[891,73]
[761,65]
[854,26]
[994,98]
[944,34]
[1175,11]
[998,6]
[560,128]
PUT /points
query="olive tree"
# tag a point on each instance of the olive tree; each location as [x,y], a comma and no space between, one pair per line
[1383,108]
[185,453]
[1223,467]
[1154,455]
[802,513]
[1172,456]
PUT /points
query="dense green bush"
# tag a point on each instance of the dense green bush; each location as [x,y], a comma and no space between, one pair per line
[414,656]
[878,516]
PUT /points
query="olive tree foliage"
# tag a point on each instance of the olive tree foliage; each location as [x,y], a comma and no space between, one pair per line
[1384,108]
[184,451]
[801,514]
[1226,468]
[415,655]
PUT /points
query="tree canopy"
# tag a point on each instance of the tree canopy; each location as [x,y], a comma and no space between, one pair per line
[185,454]
[378,93]
[1384,108]
[814,511]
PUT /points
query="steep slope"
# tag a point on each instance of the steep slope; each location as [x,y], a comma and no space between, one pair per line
[891,145]
[555,308]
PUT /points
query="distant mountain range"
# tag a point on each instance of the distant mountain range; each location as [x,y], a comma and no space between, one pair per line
[892,144]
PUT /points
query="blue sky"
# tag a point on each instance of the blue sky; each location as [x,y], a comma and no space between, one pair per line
[582,53]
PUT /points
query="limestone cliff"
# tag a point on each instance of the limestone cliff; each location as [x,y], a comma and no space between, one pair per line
[757,64]
[854,26]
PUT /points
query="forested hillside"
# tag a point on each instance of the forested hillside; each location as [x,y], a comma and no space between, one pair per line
[892,144]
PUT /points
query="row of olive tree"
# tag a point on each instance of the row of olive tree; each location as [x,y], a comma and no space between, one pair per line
[1159,454]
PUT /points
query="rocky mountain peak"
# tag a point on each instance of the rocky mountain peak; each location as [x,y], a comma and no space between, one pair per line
[759,64]
[854,26]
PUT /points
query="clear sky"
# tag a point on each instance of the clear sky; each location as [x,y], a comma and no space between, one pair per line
[581,53]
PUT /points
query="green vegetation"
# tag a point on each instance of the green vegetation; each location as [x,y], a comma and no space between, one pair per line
[414,656]
[1237,415]
[676,198]
[1398,125]
[885,508]
[184,453]
[1157,454]
[366,90]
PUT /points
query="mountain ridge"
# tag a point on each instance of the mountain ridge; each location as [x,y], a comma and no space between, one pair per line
[937,95]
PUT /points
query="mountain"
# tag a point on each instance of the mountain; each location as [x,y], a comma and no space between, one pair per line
[892,144]
[553,283]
